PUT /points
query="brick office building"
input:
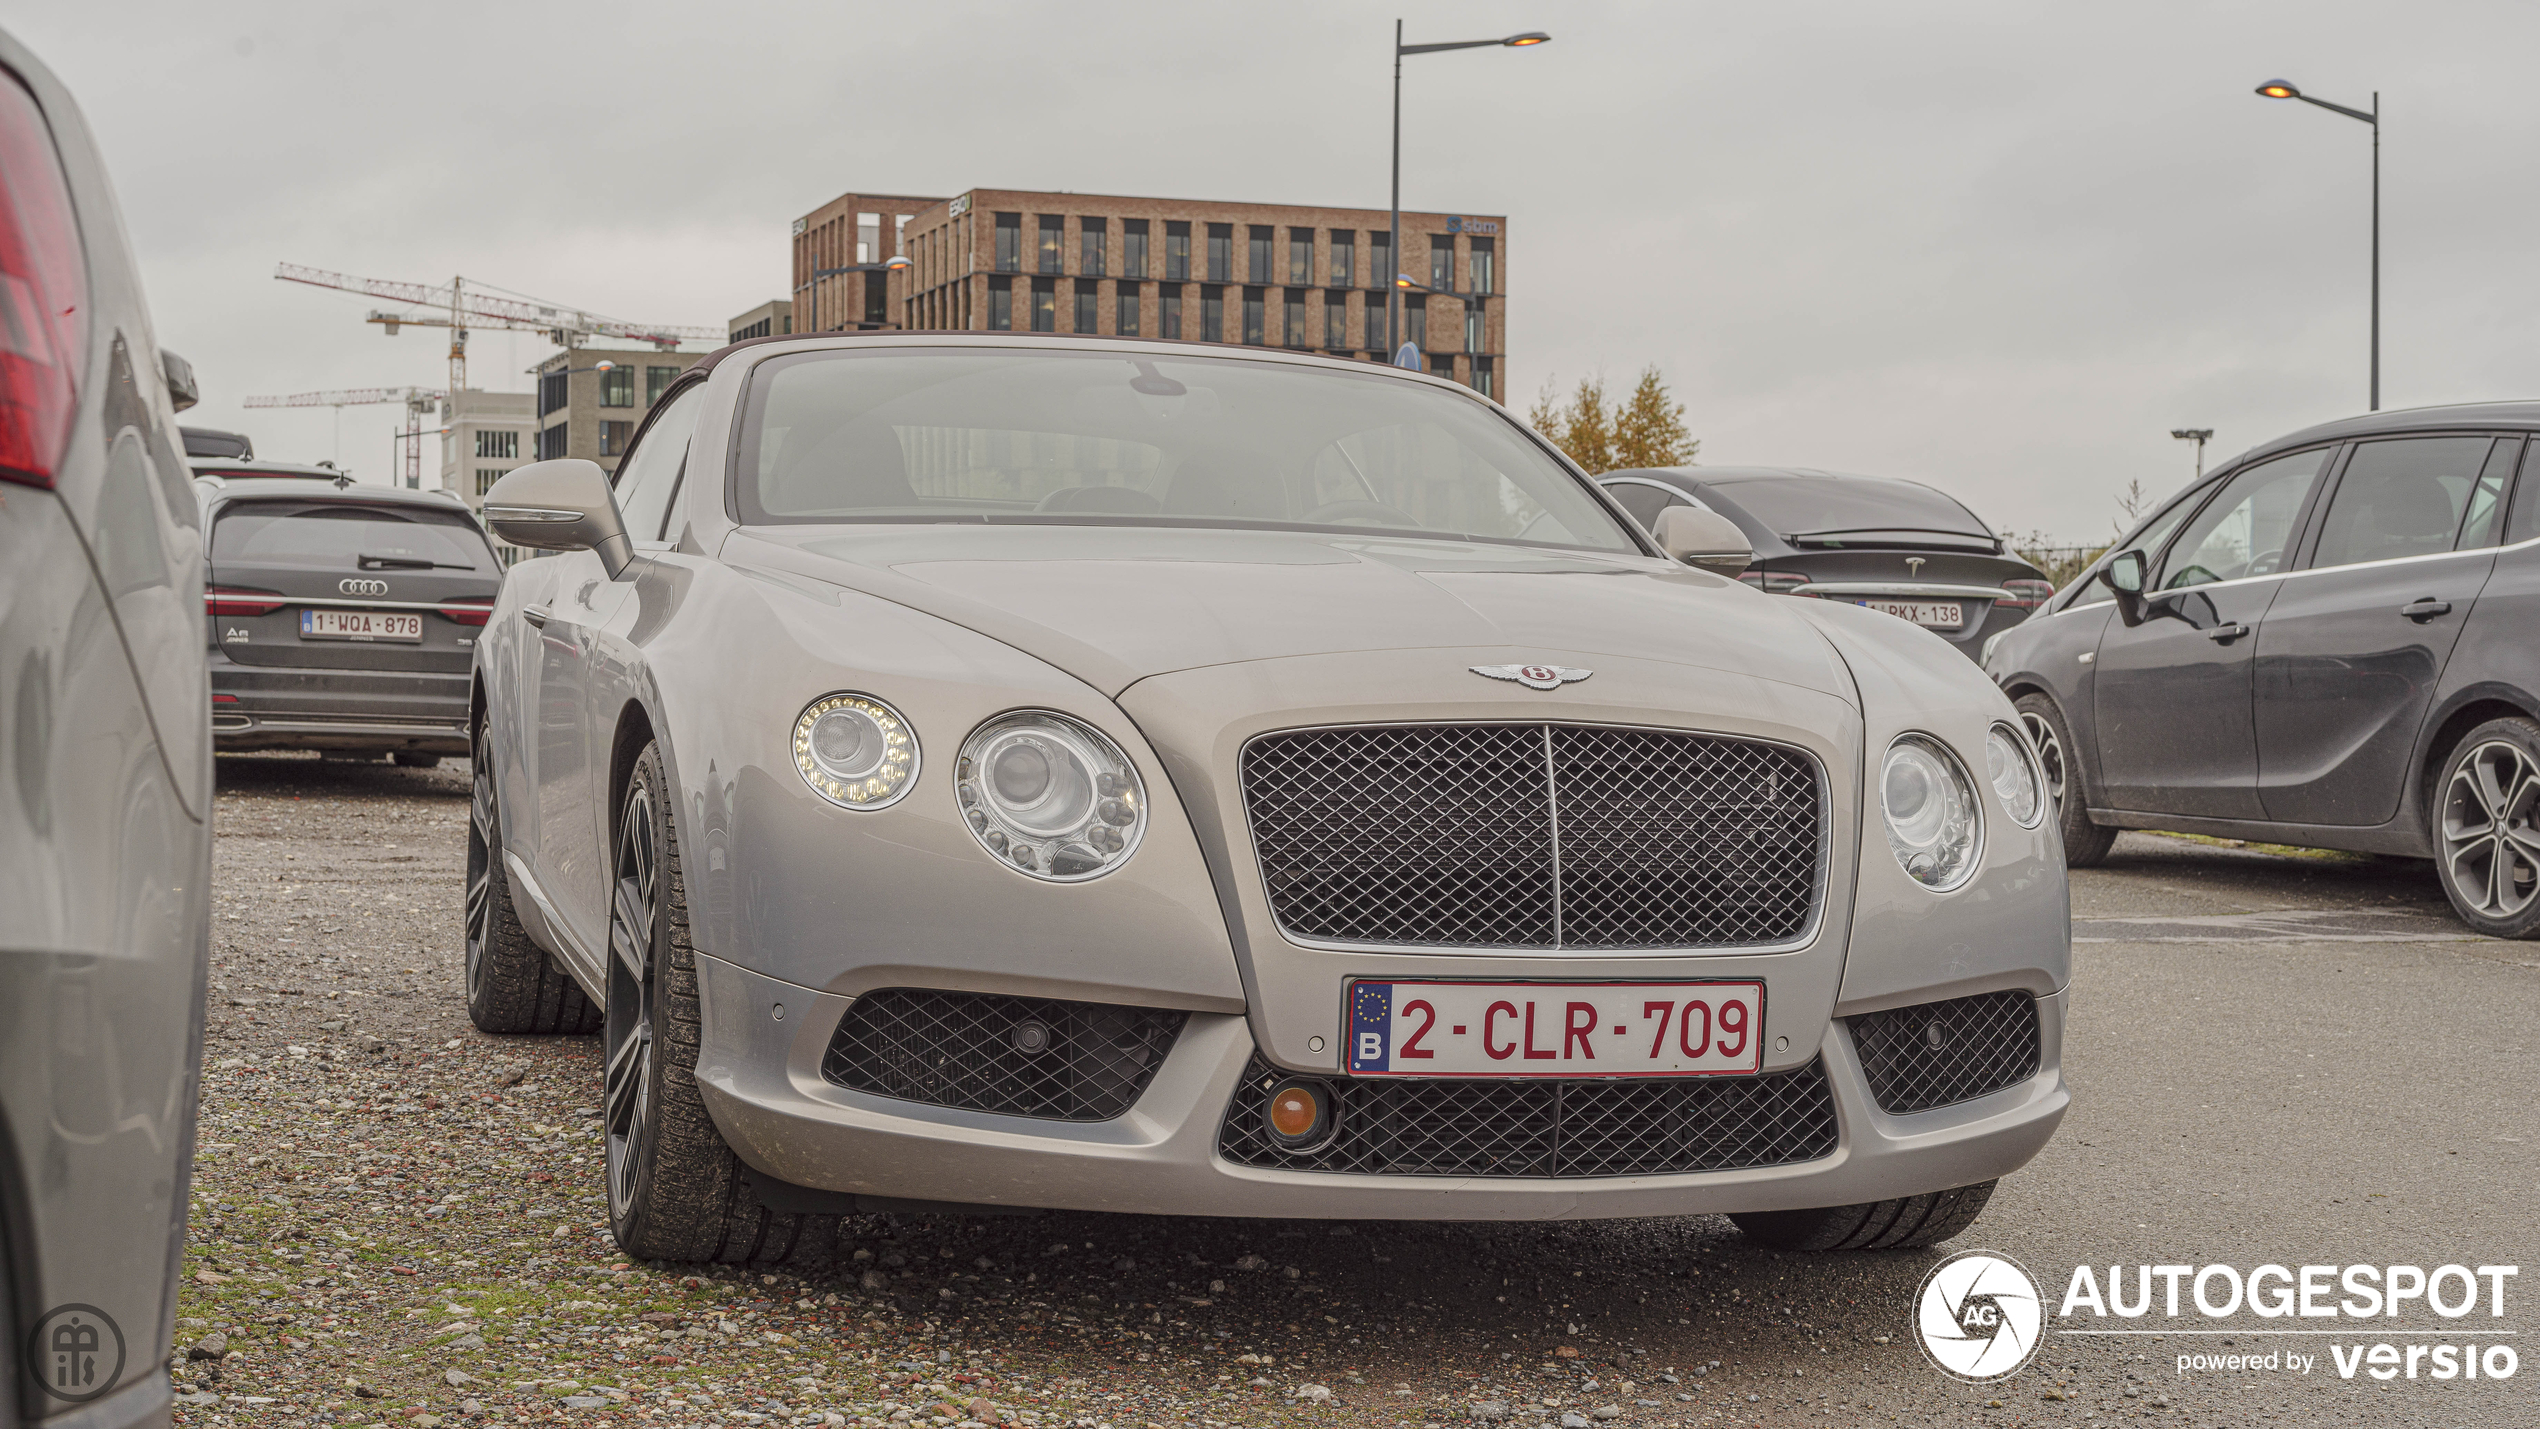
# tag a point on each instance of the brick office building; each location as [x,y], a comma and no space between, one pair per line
[1274,275]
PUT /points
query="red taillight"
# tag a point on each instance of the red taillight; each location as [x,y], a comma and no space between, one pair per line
[237,600]
[2026,595]
[1774,582]
[469,611]
[43,296]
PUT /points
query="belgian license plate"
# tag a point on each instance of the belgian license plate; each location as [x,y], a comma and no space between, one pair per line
[1938,614]
[1535,1029]
[360,625]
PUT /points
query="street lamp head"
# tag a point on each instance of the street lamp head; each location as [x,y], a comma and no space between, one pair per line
[1403,280]
[1531,37]
[604,367]
[897,262]
[2280,89]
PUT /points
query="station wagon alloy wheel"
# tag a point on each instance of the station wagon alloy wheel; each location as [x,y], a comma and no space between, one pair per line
[2050,756]
[628,1093]
[2491,848]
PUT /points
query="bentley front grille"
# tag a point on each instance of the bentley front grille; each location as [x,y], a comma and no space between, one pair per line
[1536,836]
[1020,1056]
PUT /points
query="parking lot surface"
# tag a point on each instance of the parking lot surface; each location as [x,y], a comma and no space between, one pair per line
[398,1220]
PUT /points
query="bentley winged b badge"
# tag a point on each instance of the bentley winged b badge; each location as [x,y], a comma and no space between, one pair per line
[1534,677]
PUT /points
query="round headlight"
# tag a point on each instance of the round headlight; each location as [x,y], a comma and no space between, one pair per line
[1930,806]
[855,751]
[1051,796]
[2013,773]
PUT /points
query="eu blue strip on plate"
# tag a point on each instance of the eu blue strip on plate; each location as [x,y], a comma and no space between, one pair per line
[1370,1026]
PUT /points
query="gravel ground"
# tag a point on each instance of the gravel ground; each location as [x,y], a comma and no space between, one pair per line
[398,1220]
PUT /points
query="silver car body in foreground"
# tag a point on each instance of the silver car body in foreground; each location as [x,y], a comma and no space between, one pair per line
[1306,705]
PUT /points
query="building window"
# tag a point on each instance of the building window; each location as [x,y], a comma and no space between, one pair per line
[614,436]
[1221,252]
[1486,377]
[1133,248]
[1257,266]
[1335,320]
[656,381]
[1168,305]
[1125,321]
[1093,237]
[1212,314]
[868,238]
[1301,256]
[551,391]
[486,476]
[1044,305]
[1344,258]
[617,387]
[1292,321]
[1483,259]
[498,446]
[1000,305]
[551,442]
[1009,242]
[877,298]
[1053,239]
[1442,261]
[1415,315]
[1254,304]
[1177,250]
[1472,327]
[1085,319]
[1380,265]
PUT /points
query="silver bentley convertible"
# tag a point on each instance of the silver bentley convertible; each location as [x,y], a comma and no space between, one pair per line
[969,772]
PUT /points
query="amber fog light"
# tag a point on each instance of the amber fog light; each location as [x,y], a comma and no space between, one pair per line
[1299,1114]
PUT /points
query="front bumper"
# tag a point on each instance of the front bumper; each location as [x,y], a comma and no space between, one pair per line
[759,1067]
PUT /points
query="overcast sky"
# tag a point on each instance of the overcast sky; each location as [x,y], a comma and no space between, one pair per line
[2002,248]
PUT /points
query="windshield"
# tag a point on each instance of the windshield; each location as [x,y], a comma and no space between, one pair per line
[1085,437]
[1803,505]
[339,536]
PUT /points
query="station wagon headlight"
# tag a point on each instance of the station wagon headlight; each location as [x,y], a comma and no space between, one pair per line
[1930,806]
[2012,770]
[1050,796]
[855,751]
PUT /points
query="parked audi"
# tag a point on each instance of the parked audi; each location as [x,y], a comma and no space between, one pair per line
[2325,642]
[1899,547]
[105,790]
[999,770]
[342,618]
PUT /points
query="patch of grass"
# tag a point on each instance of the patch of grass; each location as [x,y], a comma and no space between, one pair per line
[2315,855]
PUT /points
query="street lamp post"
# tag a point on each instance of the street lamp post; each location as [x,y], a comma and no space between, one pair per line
[2200,436]
[1393,250]
[2286,89]
[893,264]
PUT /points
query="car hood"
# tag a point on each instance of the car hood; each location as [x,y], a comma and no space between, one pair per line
[1114,605]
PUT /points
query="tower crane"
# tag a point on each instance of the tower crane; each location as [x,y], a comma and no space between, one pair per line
[462,307]
[418,400]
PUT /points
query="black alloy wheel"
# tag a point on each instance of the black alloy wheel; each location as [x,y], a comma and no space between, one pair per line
[627,1097]
[2085,843]
[511,983]
[484,846]
[2487,828]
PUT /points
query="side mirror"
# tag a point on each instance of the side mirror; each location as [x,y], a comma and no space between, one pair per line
[2124,574]
[183,390]
[1705,539]
[560,505]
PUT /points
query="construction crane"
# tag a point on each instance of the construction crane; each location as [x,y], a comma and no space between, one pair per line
[462,307]
[418,400]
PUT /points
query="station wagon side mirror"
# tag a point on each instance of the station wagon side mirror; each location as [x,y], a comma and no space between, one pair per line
[2124,575]
[561,505]
[1704,539]
[183,390]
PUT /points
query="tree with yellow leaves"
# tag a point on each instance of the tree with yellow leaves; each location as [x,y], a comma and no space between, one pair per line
[1645,430]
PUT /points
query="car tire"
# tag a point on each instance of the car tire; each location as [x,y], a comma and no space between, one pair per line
[1881,1225]
[410,759]
[512,984]
[675,1189]
[2085,843]
[2486,828]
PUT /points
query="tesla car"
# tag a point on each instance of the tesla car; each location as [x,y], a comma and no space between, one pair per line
[1000,771]
[2321,643]
[1899,547]
[214,443]
[105,790]
[342,618]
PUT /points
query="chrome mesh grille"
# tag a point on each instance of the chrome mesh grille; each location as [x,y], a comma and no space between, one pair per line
[1555,1127]
[1936,1053]
[1021,1056]
[1534,836]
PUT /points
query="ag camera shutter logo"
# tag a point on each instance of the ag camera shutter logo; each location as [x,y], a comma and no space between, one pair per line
[1978,1316]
